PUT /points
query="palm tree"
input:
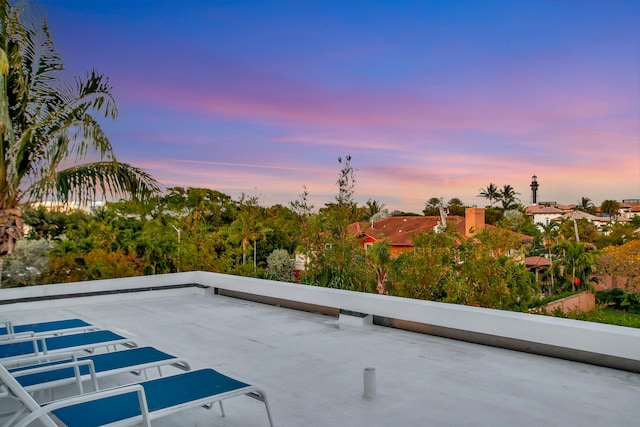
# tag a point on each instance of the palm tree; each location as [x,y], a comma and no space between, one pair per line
[508,194]
[373,207]
[379,257]
[456,207]
[549,236]
[576,259]
[586,205]
[610,207]
[455,202]
[432,206]
[48,129]
[507,205]
[491,193]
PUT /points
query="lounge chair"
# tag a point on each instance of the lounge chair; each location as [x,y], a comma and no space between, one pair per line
[135,404]
[34,346]
[69,369]
[55,327]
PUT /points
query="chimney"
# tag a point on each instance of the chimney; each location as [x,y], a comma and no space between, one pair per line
[473,221]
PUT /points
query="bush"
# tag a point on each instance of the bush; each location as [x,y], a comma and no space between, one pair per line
[281,266]
[619,299]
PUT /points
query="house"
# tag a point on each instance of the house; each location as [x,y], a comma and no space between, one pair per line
[536,264]
[399,230]
[630,208]
[543,215]
[598,221]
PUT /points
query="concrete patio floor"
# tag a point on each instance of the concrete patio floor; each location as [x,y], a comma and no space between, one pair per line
[311,367]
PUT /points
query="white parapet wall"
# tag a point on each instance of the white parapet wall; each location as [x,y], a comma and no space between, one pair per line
[600,344]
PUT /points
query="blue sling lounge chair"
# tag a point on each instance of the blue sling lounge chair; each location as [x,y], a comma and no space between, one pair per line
[35,346]
[55,327]
[135,404]
[72,369]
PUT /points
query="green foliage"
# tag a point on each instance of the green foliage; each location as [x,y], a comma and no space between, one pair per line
[379,257]
[280,266]
[422,272]
[54,126]
[475,272]
[586,205]
[491,193]
[53,146]
[456,207]
[575,261]
[610,208]
[432,207]
[518,222]
[616,234]
[603,315]
[44,223]
[492,216]
[620,300]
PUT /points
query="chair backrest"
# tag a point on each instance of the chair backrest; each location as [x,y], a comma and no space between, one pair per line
[16,390]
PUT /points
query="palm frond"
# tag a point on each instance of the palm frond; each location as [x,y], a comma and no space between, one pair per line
[100,179]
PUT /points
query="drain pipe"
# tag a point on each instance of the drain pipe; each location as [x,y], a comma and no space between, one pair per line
[369,383]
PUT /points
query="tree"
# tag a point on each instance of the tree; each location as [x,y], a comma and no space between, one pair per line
[515,220]
[491,193]
[422,272]
[47,124]
[456,207]
[337,260]
[617,233]
[373,207]
[44,223]
[432,207]
[575,261]
[508,194]
[611,208]
[622,261]
[587,231]
[379,257]
[586,205]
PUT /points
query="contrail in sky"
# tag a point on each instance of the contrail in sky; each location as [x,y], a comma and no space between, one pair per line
[237,164]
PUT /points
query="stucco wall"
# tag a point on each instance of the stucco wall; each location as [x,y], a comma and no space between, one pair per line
[585,301]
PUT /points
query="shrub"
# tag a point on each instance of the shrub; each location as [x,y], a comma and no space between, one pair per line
[619,299]
[281,266]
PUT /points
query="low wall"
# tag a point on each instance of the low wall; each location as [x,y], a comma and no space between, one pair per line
[606,283]
[584,301]
[599,344]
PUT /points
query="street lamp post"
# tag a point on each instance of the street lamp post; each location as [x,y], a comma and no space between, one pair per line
[177,231]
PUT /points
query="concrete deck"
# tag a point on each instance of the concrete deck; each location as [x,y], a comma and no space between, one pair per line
[311,367]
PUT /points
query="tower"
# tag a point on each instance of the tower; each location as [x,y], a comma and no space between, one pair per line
[534,189]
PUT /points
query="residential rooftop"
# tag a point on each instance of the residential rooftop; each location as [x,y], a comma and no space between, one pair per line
[311,361]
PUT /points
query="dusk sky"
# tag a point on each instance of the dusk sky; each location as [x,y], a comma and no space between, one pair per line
[430,98]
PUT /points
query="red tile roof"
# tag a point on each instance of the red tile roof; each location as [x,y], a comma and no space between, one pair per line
[399,230]
[537,261]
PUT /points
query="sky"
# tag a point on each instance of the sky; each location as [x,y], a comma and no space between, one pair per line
[430,98]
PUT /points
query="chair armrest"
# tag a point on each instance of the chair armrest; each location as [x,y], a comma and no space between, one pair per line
[14,336]
[33,339]
[7,324]
[75,364]
[37,360]
[63,403]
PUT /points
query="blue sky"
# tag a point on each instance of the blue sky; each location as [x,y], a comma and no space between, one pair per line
[430,98]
